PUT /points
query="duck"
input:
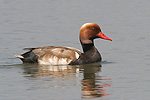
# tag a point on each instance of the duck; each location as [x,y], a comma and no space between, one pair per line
[59,55]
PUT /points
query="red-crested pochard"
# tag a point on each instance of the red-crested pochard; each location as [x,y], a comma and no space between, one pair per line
[55,55]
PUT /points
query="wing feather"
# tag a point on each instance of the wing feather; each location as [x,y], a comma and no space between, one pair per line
[56,55]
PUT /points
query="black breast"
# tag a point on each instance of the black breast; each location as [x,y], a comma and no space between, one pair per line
[90,55]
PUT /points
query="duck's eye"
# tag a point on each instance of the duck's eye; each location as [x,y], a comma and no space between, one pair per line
[93,28]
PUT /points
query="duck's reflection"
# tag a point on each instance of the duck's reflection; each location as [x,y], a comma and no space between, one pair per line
[93,85]
[59,74]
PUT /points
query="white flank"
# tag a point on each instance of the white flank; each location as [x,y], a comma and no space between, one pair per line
[77,55]
[54,61]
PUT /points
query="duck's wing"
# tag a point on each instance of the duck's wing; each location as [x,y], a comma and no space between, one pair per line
[56,55]
[51,55]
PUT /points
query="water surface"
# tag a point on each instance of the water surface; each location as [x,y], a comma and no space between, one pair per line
[123,74]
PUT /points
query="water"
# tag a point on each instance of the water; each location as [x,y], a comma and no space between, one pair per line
[125,70]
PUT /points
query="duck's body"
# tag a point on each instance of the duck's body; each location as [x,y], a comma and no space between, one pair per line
[50,55]
[54,55]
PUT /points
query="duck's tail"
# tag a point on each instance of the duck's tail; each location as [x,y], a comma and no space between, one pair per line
[19,56]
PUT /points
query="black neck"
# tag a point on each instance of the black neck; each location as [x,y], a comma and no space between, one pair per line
[90,55]
[87,47]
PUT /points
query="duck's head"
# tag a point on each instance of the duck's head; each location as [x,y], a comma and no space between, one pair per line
[90,31]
